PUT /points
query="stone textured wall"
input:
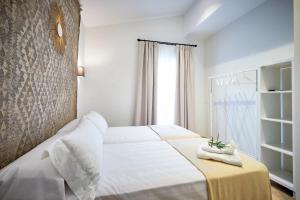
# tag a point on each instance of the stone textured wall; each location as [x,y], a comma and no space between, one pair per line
[38,85]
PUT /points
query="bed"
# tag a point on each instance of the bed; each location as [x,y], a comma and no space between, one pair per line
[130,134]
[149,170]
[146,162]
[146,133]
[127,134]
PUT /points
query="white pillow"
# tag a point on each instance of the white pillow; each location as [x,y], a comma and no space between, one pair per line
[78,158]
[98,121]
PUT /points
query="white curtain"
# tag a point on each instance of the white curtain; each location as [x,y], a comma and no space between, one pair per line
[145,113]
[234,110]
[185,103]
[165,93]
[166,84]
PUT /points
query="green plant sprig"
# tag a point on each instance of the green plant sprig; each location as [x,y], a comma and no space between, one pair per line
[217,143]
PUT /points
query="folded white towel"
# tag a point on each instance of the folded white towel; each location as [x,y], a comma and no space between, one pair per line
[233,159]
[228,149]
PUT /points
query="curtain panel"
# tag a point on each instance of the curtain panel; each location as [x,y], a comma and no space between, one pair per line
[185,103]
[147,88]
[145,112]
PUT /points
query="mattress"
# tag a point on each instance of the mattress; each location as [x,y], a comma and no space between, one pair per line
[130,134]
[146,133]
[150,171]
[170,132]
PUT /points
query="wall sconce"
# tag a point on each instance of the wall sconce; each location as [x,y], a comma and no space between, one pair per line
[80,71]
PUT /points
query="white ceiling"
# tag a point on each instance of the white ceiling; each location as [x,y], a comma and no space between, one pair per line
[105,12]
[207,17]
[201,17]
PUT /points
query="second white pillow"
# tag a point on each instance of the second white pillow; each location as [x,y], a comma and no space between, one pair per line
[98,120]
[78,158]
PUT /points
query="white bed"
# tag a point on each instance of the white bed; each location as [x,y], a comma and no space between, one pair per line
[132,170]
[126,134]
[148,170]
[136,165]
[130,134]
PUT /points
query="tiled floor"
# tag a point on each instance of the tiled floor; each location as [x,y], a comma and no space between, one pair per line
[280,193]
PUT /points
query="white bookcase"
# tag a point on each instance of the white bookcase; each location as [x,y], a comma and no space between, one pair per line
[276,122]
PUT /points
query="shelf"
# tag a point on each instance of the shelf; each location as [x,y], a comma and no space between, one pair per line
[276,77]
[277,106]
[286,149]
[276,127]
[277,120]
[282,177]
[277,92]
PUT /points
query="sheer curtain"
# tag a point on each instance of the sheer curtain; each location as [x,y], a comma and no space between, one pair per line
[166,84]
[234,110]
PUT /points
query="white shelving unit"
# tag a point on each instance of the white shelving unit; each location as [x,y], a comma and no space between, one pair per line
[276,122]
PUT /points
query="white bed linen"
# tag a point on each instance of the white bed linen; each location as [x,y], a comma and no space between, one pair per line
[150,171]
[34,178]
[78,158]
[98,120]
[172,131]
[130,134]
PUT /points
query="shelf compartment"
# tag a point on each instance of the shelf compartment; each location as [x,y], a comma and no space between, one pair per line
[276,77]
[277,106]
[277,137]
[280,167]
[286,78]
[282,177]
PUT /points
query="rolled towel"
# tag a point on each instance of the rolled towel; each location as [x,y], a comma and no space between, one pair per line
[233,159]
[228,149]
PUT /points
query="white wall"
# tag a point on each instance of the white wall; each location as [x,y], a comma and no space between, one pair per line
[263,36]
[297,95]
[110,58]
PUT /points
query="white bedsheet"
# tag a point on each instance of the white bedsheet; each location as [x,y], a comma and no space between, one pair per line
[150,171]
[34,178]
[173,131]
[130,134]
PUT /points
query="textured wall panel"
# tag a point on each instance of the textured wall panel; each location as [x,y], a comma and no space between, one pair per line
[38,85]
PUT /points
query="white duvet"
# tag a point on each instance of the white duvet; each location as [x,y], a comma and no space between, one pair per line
[132,170]
[146,171]
[173,131]
[130,134]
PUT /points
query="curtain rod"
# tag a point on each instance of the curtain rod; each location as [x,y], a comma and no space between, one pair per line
[167,43]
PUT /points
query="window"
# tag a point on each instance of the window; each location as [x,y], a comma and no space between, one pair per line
[166,84]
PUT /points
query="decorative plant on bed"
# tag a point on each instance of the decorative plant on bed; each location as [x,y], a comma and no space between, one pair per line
[216,143]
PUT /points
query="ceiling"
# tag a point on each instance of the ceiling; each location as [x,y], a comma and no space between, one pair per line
[201,17]
[106,12]
[207,17]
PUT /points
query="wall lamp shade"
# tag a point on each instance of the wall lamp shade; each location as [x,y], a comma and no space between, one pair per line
[80,71]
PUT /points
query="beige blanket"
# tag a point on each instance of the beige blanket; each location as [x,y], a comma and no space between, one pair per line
[227,182]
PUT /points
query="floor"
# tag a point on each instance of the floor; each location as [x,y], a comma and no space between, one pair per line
[280,193]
